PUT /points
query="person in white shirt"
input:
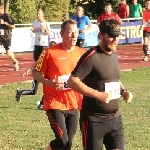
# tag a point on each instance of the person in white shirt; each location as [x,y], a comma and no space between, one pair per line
[42,30]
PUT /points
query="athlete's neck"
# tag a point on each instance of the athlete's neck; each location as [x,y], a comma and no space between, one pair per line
[40,20]
[102,48]
[67,48]
[79,16]
[108,13]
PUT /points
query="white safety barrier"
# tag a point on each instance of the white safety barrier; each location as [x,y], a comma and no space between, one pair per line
[23,38]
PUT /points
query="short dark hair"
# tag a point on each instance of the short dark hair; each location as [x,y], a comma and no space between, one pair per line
[80,7]
[108,4]
[52,43]
[109,25]
[70,21]
[1,4]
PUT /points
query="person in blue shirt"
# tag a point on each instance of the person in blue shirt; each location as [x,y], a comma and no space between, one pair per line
[83,24]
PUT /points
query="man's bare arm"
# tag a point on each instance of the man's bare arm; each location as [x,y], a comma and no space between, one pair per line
[76,84]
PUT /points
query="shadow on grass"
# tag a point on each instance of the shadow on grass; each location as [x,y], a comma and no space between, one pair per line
[28,108]
[4,107]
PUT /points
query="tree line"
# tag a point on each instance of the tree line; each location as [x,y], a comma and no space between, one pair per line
[24,11]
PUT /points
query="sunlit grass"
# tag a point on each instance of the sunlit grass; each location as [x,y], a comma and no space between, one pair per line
[23,127]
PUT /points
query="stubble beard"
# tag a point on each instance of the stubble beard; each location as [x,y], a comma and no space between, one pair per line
[108,47]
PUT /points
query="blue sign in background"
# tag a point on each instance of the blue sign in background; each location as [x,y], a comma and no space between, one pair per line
[130,30]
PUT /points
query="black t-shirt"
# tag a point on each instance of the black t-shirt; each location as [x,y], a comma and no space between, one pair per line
[7,31]
[95,68]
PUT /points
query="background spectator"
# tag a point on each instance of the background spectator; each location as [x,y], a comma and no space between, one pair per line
[108,14]
[123,10]
[135,9]
[82,21]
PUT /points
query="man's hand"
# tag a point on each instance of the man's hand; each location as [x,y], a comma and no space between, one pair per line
[43,28]
[54,84]
[2,21]
[26,73]
[104,97]
[127,96]
[82,31]
[141,27]
[6,23]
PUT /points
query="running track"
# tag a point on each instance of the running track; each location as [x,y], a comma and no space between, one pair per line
[129,57]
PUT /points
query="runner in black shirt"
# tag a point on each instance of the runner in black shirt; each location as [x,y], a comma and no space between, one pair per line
[6,26]
[97,77]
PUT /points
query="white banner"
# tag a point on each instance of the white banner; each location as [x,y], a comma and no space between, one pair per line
[23,38]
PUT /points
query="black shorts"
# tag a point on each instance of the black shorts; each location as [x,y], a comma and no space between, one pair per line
[37,51]
[146,34]
[5,42]
[97,131]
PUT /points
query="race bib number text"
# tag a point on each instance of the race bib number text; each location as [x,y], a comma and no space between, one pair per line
[63,79]
[114,89]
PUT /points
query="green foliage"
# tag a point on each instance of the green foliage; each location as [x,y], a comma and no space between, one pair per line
[24,11]
[54,10]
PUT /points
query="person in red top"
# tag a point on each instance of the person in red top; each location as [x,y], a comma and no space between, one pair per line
[108,14]
[123,10]
[146,29]
[53,69]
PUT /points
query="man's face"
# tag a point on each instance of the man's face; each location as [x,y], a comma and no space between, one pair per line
[148,5]
[79,11]
[70,34]
[134,1]
[39,15]
[1,10]
[108,9]
[109,43]
[123,1]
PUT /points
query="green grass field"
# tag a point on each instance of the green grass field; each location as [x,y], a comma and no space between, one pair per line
[23,127]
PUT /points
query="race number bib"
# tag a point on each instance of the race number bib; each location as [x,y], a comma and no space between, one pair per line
[147,24]
[63,79]
[114,89]
[1,31]
[40,39]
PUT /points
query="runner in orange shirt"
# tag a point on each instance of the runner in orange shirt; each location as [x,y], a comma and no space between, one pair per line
[53,69]
[108,14]
[146,29]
